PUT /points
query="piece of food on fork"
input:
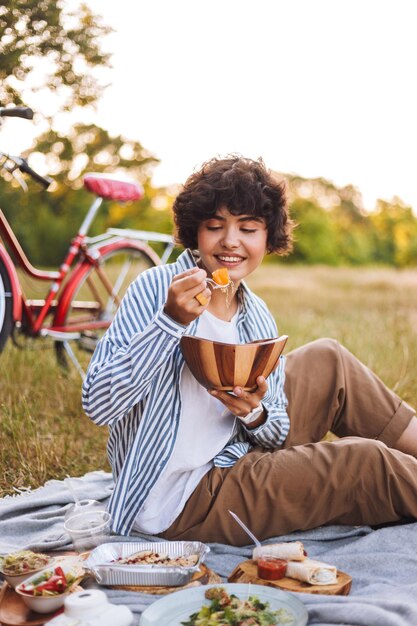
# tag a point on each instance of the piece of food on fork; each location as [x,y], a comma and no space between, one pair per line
[220,278]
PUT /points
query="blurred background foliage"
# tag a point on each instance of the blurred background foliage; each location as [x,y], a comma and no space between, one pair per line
[334,227]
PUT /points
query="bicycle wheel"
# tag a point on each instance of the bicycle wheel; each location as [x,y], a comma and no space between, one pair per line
[93,296]
[6,306]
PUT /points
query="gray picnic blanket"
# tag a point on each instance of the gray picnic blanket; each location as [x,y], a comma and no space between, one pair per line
[382,562]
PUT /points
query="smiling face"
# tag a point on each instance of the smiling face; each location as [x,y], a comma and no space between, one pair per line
[237,242]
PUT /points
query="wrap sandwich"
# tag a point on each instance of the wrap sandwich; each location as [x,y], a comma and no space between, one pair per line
[292,551]
[312,572]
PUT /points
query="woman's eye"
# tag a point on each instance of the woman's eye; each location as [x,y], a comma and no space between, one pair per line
[248,230]
[213,227]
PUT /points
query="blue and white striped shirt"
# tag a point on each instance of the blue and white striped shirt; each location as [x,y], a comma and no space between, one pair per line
[133,386]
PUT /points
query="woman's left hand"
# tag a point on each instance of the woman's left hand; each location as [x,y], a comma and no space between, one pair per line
[242,402]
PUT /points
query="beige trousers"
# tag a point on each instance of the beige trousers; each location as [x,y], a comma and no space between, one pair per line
[358,479]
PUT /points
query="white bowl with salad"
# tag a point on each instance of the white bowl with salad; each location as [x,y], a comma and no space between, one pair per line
[18,566]
[45,592]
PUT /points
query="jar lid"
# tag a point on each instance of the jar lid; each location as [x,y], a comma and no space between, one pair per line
[85,603]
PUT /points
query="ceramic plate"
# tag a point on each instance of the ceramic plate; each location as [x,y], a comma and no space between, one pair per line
[177,607]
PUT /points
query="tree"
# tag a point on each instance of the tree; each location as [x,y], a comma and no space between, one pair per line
[314,237]
[40,36]
[335,229]
[395,233]
[44,46]
[332,222]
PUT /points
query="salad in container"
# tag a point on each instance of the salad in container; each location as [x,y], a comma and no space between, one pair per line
[17,566]
[46,591]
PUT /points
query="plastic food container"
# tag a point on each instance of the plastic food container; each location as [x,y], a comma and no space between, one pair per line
[101,563]
[16,579]
[84,506]
[88,529]
[48,604]
[271,568]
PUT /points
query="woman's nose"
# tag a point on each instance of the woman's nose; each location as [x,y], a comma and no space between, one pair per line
[230,239]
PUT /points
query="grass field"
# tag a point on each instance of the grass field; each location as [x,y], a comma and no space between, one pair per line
[373,312]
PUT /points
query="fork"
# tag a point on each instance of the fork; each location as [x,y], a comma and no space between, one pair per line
[215,285]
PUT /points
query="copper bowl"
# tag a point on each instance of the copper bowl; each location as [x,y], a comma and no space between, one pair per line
[223,366]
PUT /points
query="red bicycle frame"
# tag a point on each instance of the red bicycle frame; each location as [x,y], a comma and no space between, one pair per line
[34,312]
[91,257]
[86,290]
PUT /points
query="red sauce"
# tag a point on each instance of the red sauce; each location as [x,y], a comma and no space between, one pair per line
[271,568]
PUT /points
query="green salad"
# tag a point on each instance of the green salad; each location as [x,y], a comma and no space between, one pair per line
[22,562]
[229,610]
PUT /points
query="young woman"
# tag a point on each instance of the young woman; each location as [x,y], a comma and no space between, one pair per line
[182,456]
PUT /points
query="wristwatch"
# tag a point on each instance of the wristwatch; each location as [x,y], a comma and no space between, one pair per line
[252,416]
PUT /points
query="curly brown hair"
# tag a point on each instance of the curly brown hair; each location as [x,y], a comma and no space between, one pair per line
[245,187]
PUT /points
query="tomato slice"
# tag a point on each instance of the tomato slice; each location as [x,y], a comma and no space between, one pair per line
[60,572]
[57,582]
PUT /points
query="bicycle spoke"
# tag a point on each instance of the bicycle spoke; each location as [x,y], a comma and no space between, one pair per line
[118,285]
[122,275]
[107,284]
[73,358]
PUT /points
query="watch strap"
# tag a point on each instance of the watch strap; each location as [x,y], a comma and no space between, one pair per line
[252,416]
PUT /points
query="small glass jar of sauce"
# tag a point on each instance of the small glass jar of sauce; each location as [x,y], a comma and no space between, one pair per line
[271,568]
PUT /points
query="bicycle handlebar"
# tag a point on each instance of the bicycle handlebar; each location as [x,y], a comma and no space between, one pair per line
[24,112]
[25,167]
[19,162]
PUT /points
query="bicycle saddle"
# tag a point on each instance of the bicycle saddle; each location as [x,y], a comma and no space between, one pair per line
[110,188]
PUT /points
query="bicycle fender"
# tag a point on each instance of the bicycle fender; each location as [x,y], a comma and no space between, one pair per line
[101,249]
[14,280]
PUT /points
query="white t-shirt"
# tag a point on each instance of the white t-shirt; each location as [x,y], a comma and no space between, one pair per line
[205,428]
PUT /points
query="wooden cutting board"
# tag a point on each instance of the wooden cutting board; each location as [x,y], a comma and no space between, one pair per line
[204,576]
[247,572]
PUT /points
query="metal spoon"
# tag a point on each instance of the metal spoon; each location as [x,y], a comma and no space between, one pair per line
[246,529]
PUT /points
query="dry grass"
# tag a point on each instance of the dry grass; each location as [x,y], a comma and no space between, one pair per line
[44,433]
[373,312]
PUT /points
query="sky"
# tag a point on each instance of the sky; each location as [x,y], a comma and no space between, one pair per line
[319,88]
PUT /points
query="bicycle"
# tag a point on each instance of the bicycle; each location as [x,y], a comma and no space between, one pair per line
[86,290]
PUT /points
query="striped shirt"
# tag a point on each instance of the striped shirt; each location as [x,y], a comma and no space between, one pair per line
[133,387]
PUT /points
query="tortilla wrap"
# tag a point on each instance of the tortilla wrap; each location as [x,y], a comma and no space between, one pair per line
[313,572]
[292,551]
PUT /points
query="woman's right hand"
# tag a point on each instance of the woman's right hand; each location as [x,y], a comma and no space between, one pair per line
[182,305]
